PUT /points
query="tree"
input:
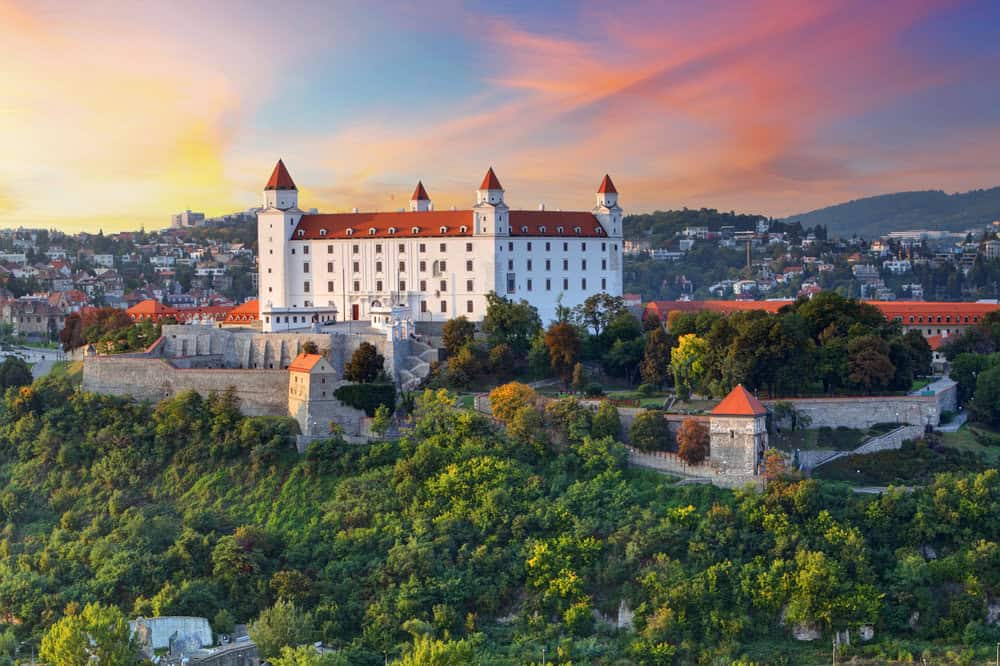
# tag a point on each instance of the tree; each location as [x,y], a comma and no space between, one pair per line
[463,366]
[774,465]
[655,366]
[505,400]
[14,372]
[650,432]
[310,347]
[687,361]
[427,651]
[579,377]
[564,349]
[281,625]
[868,363]
[606,422]
[98,633]
[650,321]
[306,655]
[366,364]
[501,360]
[509,323]
[985,405]
[382,420]
[598,310]
[692,441]
[457,333]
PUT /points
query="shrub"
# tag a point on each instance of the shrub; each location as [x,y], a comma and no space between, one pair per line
[606,422]
[650,432]
[593,390]
[647,389]
[507,399]
[366,364]
[367,397]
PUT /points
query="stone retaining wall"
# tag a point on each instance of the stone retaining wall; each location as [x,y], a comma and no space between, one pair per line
[671,463]
[261,392]
[866,411]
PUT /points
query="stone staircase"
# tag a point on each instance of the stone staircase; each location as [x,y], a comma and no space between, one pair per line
[417,365]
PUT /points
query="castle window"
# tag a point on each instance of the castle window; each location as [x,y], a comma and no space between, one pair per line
[524,229]
[559,230]
[604,246]
[392,230]
[583,247]
[604,264]
[583,284]
[444,285]
[423,306]
[510,245]
[468,247]
[301,233]
[548,264]
[357,286]
[378,285]
[510,264]
[541,230]
[468,286]
[415,230]
[565,283]
[529,284]
[423,285]
[329,267]
[378,248]
[441,266]
[565,247]
[354,249]
[604,284]
[305,286]
[423,248]
[565,264]
[305,250]
[402,285]
[444,247]
[371,231]
[443,230]
[548,284]
[329,285]
[357,267]
[350,232]
[322,232]
[329,249]
[529,264]
[402,248]
[378,266]
[577,230]
[583,265]
[293,250]
[468,306]
[423,266]
[402,266]
[305,267]
[464,229]
[468,265]
[444,306]
[529,246]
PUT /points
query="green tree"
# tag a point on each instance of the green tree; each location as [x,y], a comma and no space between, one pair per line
[579,382]
[98,633]
[306,655]
[868,363]
[655,366]
[985,405]
[505,400]
[14,372]
[382,420]
[598,310]
[650,432]
[509,323]
[457,333]
[427,651]
[366,364]
[281,625]
[310,347]
[606,422]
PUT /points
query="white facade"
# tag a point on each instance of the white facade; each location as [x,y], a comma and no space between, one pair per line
[320,268]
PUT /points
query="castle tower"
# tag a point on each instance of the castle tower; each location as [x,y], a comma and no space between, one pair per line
[738,434]
[491,215]
[276,223]
[311,383]
[420,202]
[280,191]
[610,215]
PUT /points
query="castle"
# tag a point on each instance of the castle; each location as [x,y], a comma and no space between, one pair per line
[316,269]
[339,280]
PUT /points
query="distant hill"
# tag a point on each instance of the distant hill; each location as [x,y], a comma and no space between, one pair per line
[931,209]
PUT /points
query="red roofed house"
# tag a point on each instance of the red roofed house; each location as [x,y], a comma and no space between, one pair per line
[738,434]
[319,268]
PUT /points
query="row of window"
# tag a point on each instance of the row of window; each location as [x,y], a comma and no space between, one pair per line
[306,286]
[438,266]
[529,284]
[947,319]
[469,306]
[529,264]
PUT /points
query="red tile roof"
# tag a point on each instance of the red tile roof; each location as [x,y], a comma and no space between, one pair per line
[420,194]
[921,311]
[490,181]
[305,362]
[935,342]
[151,309]
[280,179]
[429,224]
[739,402]
[607,187]
[249,311]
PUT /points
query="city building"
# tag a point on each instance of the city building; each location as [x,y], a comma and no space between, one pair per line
[316,269]
[187,219]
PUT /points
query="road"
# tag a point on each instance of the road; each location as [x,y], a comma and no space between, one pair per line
[41,360]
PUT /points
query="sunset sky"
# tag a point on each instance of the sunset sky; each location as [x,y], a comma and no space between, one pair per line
[114,115]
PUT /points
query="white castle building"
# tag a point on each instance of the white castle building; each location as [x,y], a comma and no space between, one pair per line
[433,264]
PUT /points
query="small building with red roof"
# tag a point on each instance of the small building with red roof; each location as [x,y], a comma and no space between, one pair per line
[738,434]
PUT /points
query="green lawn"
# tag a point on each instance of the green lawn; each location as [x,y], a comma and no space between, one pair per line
[837,439]
[914,464]
[974,439]
[71,369]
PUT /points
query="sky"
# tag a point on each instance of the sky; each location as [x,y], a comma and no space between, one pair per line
[113,115]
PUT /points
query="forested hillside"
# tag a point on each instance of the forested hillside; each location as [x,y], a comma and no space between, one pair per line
[931,209]
[491,544]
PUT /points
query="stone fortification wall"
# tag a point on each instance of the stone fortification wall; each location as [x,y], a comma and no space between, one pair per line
[159,630]
[864,412]
[671,463]
[261,392]
[890,441]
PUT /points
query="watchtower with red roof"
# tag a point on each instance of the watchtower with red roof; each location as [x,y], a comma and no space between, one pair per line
[738,434]
[491,215]
[420,202]
[311,383]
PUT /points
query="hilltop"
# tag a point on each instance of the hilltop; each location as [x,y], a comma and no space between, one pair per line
[929,209]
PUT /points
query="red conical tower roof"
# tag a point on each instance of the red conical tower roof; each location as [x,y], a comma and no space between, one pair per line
[490,181]
[740,402]
[280,179]
[420,194]
[607,187]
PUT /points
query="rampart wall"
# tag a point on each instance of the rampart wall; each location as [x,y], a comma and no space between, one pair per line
[261,392]
[866,411]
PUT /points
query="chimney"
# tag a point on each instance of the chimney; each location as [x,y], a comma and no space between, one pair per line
[354,210]
[541,206]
